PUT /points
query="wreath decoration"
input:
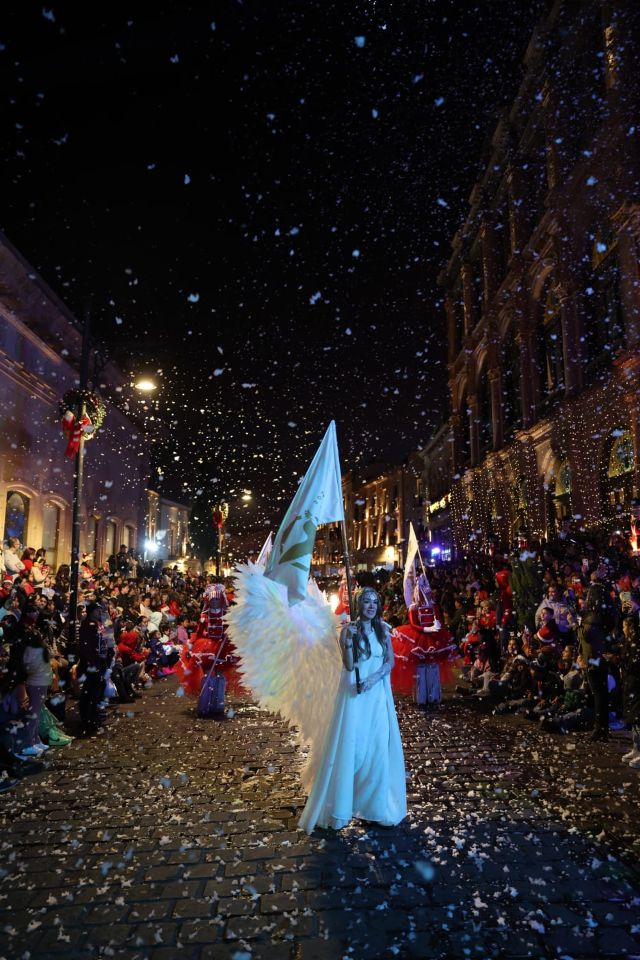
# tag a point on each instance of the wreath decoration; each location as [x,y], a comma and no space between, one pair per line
[75,426]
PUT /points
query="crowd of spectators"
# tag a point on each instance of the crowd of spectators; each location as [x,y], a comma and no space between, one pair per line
[134,620]
[550,631]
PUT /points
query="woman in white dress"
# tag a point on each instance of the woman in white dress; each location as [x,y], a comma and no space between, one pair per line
[360,770]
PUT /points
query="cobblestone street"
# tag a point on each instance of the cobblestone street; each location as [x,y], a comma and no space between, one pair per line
[169,836]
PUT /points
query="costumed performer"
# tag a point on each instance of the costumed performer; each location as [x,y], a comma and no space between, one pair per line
[198,653]
[360,771]
[342,607]
[422,640]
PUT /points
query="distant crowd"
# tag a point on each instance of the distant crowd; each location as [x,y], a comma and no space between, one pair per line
[550,631]
[135,620]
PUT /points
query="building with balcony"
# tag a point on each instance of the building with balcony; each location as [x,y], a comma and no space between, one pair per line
[167,531]
[542,292]
[380,502]
[40,348]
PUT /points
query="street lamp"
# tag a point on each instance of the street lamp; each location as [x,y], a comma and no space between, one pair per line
[145,385]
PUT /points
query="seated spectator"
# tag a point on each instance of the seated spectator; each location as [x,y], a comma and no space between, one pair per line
[38,674]
[471,643]
[548,638]
[13,565]
[631,686]
[132,650]
[561,610]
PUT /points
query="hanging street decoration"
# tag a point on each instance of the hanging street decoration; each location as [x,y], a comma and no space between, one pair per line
[219,512]
[76,423]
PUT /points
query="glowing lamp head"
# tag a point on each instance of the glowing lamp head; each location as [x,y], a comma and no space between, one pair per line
[145,385]
[151,546]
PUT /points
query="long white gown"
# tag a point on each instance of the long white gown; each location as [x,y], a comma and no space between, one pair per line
[360,771]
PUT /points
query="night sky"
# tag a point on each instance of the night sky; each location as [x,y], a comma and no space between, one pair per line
[258,197]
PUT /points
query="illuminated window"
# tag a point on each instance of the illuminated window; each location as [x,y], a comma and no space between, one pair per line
[604,327]
[16,516]
[618,473]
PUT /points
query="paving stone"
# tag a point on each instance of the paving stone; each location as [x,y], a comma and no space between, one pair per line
[267,951]
[249,928]
[200,931]
[151,910]
[223,872]
[194,907]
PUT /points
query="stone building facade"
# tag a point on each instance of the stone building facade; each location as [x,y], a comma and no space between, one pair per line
[542,292]
[437,471]
[380,502]
[40,346]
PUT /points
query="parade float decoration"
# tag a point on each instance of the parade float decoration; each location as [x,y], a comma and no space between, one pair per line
[82,413]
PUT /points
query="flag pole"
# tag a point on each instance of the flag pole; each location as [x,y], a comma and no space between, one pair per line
[347,571]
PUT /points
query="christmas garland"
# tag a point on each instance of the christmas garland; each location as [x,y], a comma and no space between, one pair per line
[94,406]
[75,426]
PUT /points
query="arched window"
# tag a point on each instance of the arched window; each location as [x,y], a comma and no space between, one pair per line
[16,516]
[51,533]
[551,346]
[484,420]
[132,535]
[511,402]
[604,325]
[465,434]
[618,473]
[561,493]
[92,539]
[129,535]
[110,538]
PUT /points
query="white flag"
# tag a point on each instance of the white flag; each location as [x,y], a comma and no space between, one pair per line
[265,553]
[409,567]
[318,500]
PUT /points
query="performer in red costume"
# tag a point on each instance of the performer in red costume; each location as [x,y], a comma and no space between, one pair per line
[343,595]
[422,640]
[200,651]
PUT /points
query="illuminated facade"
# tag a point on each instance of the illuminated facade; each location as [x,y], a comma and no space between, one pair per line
[40,346]
[542,293]
[379,502]
[167,530]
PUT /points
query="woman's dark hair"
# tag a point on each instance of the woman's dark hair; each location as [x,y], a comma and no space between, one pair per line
[28,553]
[33,638]
[361,640]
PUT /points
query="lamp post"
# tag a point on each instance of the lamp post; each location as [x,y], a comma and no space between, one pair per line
[219,512]
[78,478]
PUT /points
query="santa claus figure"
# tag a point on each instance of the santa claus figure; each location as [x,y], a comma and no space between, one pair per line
[422,639]
[206,643]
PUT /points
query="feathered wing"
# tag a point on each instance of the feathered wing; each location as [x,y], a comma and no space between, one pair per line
[290,658]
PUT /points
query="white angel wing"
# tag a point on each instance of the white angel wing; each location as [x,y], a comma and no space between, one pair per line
[290,658]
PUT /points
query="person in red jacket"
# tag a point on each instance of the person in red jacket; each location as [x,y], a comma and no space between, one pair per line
[130,650]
